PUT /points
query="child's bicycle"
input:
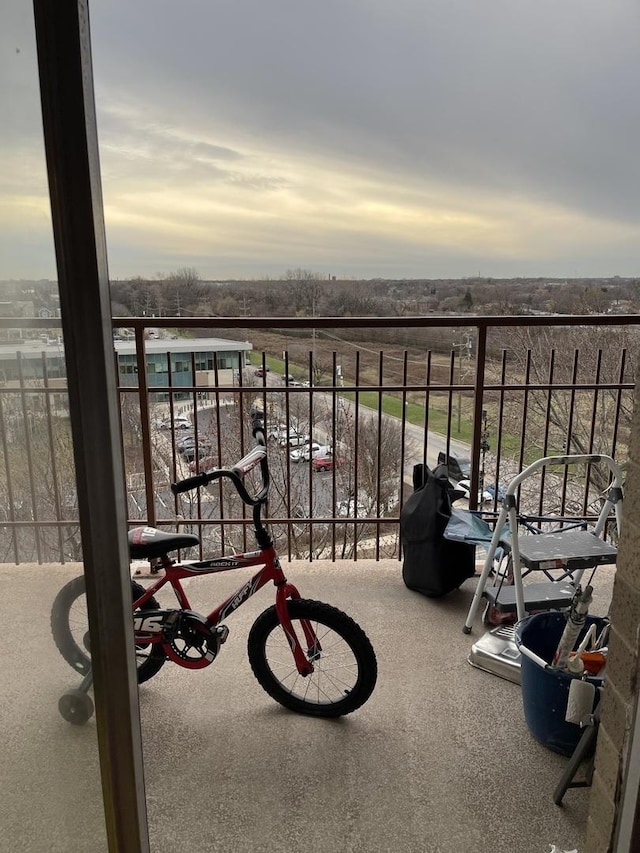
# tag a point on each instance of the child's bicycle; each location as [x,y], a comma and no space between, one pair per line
[309,656]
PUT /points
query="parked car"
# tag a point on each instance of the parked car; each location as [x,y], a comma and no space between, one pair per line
[185,441]
[206,463]
[202,451]
[325,461]
[309,451]
[261,371]
[487,494]
[459,466]
[179,422]
[294,439]
[278,432]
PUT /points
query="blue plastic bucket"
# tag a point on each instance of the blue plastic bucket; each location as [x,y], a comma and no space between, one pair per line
[545,691]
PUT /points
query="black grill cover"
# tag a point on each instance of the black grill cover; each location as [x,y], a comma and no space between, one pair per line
[432,564]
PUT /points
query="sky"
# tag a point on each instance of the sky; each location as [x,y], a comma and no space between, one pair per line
[355,138]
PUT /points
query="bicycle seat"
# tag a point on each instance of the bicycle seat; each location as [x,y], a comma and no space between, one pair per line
[147,542]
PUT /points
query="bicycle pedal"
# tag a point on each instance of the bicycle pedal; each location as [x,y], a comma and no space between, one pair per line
[222,633]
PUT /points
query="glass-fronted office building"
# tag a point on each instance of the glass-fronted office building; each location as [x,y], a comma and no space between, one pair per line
[194,361]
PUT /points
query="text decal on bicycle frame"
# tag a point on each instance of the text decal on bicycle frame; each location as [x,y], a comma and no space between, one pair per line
[241,595]
[222,563]
[149,624]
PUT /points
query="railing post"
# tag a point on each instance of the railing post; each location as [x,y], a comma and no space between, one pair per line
[478,404]
[145,423]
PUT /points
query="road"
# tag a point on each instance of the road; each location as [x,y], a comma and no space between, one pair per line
[414,434]
[322,432]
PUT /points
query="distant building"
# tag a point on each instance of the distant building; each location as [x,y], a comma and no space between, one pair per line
[194,362]
[33,360]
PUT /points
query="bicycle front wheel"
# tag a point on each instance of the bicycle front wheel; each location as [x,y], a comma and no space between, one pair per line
[344,663]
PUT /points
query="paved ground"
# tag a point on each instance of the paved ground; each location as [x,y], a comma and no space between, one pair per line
[439,760]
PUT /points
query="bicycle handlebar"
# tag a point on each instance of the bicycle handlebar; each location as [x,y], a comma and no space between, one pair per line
[238,472]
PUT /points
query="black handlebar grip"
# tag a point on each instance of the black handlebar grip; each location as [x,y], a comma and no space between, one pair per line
[190,483]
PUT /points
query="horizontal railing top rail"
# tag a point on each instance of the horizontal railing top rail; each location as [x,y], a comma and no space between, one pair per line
[424,321]
[284,322]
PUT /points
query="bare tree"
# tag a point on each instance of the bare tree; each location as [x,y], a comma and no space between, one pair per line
[558,419]
[38,470]
[181,290]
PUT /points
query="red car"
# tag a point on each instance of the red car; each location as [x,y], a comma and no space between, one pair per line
[207,463]
[324,463]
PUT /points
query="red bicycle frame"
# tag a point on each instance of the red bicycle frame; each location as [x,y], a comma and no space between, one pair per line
[271,570]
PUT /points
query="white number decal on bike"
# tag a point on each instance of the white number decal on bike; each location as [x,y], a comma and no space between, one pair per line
[148,624]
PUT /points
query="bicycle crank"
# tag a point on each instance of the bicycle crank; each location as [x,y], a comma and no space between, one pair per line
[191,642]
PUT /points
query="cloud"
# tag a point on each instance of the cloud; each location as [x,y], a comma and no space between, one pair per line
[418,136]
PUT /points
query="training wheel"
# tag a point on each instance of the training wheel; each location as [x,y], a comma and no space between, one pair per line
[76,707]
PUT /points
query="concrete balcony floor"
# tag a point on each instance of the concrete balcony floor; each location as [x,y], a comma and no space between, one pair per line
[438,761]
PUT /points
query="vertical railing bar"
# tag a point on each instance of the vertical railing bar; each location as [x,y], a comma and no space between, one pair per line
[120,393]
[243,448]
[356,426]
[478,401]
[572,401]
[249,427]
[287,420]
[500,418]
[287,495]
[196,441]
[11,512]
[525,413]
[592,431]
[403,438]
[450,392]
[334,419]
[616,425]
[545,441]
[219,489]
[550,379]
[309,468]
[427,403]
[29,448]
[174,450]
[145,422]
[379,451]
[54,466]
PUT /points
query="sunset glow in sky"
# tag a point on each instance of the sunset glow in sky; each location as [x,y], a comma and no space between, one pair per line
[419,138]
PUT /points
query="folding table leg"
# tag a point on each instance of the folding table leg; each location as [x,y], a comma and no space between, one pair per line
[585,744]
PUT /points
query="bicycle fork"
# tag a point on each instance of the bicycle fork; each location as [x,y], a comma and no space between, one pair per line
[303,659]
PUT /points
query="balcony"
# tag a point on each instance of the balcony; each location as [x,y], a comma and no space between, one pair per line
[441,756]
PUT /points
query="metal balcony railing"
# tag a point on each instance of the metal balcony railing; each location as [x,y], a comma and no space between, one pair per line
[382,394]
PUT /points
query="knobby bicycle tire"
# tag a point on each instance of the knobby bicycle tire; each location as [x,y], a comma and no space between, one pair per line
[345,667]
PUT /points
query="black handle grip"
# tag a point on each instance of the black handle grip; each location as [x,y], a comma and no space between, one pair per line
[190,483]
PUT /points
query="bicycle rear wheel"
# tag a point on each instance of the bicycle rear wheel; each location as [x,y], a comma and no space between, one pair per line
[70,629]
[344,663]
